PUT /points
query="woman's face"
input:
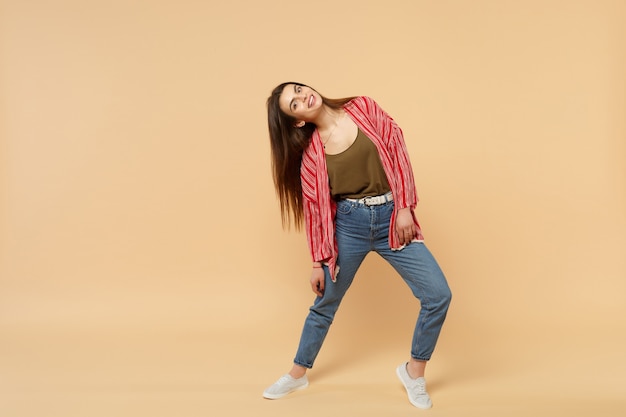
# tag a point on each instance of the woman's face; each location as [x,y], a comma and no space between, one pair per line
[301,102]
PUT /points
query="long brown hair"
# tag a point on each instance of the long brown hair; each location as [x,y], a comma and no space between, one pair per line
[288,143]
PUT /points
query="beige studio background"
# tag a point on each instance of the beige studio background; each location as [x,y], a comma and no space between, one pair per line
[143,268]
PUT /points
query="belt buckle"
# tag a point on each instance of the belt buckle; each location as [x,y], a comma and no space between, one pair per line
[371,201]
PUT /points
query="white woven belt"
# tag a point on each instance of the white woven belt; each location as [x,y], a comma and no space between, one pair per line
[373,201]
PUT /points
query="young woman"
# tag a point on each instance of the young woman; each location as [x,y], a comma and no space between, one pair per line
[341,167]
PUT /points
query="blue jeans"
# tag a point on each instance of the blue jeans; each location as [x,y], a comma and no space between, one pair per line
[359,230]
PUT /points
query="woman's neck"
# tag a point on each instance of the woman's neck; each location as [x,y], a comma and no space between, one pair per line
[328,119]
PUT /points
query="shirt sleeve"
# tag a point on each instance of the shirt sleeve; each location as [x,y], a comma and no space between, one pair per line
[313,218]
[395,145]
[313,228]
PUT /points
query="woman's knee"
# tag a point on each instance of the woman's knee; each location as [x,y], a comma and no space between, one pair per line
[325,309]
[447,297]
[442,297]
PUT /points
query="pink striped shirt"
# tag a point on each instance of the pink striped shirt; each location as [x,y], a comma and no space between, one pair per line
[319,207]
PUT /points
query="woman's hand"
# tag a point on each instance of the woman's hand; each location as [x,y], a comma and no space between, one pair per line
[405,227]
[317,281]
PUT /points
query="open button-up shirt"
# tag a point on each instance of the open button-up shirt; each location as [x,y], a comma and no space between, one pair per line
[320,208]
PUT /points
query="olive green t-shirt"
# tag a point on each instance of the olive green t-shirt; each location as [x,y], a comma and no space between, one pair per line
[357,172]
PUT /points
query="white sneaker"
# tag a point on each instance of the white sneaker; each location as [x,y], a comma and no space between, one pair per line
[286,384]
[415,388]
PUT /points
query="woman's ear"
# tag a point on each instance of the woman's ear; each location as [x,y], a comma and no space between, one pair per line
[300,123]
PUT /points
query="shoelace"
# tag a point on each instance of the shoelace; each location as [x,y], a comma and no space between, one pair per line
[418,388]
[285,378]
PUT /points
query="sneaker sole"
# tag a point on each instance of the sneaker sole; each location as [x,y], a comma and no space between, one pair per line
[277,396]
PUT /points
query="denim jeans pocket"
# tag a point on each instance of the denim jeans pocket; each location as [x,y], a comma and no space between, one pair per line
[344,207]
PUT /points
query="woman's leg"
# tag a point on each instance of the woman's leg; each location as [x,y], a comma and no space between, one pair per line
[420,271]
[352,230]
[320,317]
[318,322]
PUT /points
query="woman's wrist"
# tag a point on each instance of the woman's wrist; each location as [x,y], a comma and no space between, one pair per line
[317,264]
